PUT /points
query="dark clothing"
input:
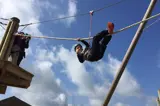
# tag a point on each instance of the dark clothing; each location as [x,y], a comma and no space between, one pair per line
[22,42]
[19,45]
[96,52]
[20,57]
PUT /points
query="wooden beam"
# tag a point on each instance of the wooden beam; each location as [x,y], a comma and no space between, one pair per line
[5,34]
[11,80]
[14,23]
[17,71]
[10,74]
[11,37]
[8,40]
[14,75]
[128,54]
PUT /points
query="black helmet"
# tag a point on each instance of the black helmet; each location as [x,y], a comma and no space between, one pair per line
[77,46]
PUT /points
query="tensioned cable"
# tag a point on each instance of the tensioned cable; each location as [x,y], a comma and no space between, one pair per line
[3,23]
[2,27]
[156,21]
[83,14]
[75,39]
[4,19]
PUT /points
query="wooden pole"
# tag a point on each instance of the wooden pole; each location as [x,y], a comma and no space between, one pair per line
[5,34]
[6,45]
[8,39]
[16,21]
[129,53]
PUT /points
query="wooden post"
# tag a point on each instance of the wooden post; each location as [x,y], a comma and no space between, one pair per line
[6,45]
[129,53]
[8,40]
[11,74]
[4,87]
[5,34]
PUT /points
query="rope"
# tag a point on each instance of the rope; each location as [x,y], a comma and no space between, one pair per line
[3,23]
[23,28]
[90,30]
[75,39]
[4,19]
[83,14]
[109,6]
[2,27]
[152,23]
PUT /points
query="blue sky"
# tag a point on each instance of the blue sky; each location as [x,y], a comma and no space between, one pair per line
[57,69]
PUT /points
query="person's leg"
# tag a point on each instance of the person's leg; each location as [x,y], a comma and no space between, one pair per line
[21,55]
[15,54]
[99,36]
[95,51]
[14,57]
[104,44]
[106,40]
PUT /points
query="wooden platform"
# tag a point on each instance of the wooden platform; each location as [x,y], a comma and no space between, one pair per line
[14,76]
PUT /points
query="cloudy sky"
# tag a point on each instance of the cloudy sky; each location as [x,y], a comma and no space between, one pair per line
[60,79]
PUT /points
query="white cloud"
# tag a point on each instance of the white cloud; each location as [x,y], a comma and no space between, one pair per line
[29,51]
[72,10]
[121,104]
[77,72]
[79,75]
[151,101]
[45,88]
[128,85]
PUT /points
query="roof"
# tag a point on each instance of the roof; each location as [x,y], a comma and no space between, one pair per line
[13,101]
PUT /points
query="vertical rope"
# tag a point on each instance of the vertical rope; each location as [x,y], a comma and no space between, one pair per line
[90,29]
[23,28]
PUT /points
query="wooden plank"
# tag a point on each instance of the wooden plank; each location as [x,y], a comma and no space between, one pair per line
[3,89]
[5,34]
[11,80]
[16,70]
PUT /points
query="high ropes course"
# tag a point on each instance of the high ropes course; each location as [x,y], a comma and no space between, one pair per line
[12,75]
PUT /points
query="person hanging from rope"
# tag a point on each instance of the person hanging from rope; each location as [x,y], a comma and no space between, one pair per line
[18,48]
[99,45]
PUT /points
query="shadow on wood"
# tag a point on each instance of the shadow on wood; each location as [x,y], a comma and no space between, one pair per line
[3,89]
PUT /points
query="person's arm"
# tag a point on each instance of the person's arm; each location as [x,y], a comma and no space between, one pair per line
[84,42]
[80,57]
[27,39]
